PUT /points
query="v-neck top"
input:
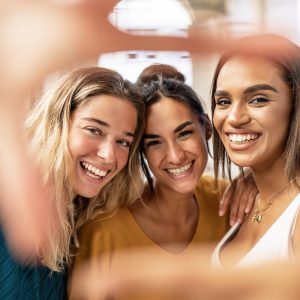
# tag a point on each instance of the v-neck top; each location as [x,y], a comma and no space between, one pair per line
[122,232]
[274,245]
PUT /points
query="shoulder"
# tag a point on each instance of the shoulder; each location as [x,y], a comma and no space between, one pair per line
[105,224]
[208,194]
[21,281]
[296,231]
[107,233]
[209,187]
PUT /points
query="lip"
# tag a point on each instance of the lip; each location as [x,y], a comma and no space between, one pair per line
[241,131]
[103,168]
[242,146]
[95,181]
[185,174]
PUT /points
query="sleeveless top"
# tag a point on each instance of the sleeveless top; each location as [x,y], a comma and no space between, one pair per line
[274,245]
[19,281]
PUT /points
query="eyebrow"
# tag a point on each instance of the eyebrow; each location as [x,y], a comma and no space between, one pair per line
[183,125]
[259,87]
[177,129]
[102,123]
[249,90]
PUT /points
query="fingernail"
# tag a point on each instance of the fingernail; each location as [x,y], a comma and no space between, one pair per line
[221,212]
[247,210]
[239,221]
[231,222]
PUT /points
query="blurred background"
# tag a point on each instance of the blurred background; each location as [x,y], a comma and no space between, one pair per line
[179,17]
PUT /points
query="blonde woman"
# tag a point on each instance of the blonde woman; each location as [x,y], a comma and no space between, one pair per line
[82,134]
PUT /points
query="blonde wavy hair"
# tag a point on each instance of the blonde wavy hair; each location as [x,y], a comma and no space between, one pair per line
[47,128]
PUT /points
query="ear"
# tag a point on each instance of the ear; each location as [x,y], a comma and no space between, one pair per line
[207,126]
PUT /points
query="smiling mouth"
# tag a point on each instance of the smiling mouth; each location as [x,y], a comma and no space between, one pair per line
[180,171]
[242,138]
[92,171]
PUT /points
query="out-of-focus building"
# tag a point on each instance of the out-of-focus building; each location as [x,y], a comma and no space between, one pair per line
[179,17]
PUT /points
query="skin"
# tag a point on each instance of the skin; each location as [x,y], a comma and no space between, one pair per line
[56,35]
[173,144]
[170,145]
[100,137]
[191,280]
[252,99]
[53,35]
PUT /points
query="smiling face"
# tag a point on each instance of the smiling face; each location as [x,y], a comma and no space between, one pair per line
[252,113]
[100,136]
[175,145]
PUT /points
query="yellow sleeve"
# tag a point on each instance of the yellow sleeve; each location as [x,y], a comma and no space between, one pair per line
[208,195]
[94,249]
[208,186]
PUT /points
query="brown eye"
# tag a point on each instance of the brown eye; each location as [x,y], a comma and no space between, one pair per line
[152,143]
[222,102]
[259,100]
[185,133]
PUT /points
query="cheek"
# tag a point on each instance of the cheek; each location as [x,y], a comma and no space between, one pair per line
[74,143]
[218,119]
[79,145]
[200,149]
[122,158]
[153,159]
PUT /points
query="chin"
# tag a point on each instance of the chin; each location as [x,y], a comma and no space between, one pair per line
[242,162]
[185,189]
[88,193]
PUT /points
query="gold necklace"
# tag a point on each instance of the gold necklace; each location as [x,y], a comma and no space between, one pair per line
[258,214]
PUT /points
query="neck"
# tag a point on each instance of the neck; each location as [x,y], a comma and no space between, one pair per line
[272,180]
[171,204]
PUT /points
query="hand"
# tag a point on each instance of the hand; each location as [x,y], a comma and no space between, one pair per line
[193,279]
[240,196]
[39,37]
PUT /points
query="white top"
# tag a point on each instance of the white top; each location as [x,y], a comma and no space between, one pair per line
[274,245]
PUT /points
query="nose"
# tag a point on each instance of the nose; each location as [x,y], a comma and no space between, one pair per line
[175,154]
[238,115]
[107,151]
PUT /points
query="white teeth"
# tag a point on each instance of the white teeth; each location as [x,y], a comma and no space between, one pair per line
[94,170]
[242,138]
[181,170]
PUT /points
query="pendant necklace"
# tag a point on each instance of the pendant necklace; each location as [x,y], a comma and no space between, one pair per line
[258,214]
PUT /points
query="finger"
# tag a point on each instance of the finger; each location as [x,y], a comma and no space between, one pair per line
[227,198]
[251,200]
[243,204]
[225,201]
[236,201]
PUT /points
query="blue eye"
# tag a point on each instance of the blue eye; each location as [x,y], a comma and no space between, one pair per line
[124,143]
[94,130]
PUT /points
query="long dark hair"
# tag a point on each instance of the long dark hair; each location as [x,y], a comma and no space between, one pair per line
[158,81]
[286,56]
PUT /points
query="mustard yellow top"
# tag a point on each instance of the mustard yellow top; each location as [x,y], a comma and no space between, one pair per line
[101,239]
